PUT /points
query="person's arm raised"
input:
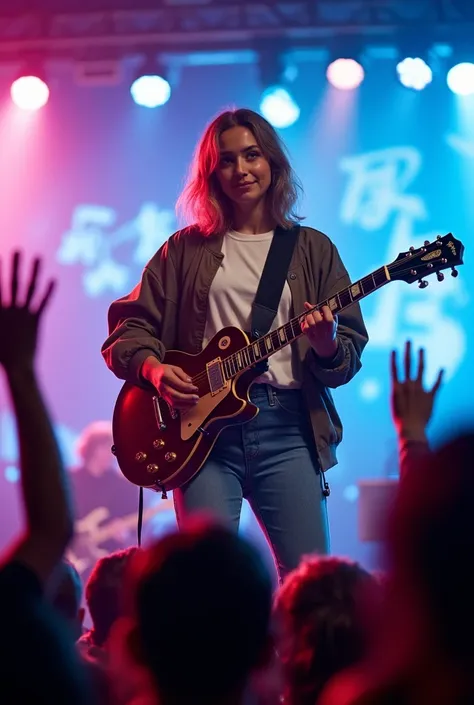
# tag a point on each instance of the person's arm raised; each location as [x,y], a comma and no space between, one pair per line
[49,519]
[412,407]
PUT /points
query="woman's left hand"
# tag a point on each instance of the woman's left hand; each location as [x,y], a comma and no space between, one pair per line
[320,327]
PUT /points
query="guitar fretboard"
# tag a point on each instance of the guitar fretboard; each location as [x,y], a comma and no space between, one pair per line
[279,338]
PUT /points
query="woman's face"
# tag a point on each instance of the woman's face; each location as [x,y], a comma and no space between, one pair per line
[244,173]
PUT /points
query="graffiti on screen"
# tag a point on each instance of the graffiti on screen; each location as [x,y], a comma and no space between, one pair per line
[377,200]
[94,239]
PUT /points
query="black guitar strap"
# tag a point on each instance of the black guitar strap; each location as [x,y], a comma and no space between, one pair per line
[272,281]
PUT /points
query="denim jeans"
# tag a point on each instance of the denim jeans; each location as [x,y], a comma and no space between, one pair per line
[271,461]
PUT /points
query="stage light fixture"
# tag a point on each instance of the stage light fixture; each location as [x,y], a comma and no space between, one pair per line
[277,104]
[278,107]
[414,73]
[460,78]
[345,74]
[150,89]
[29,91]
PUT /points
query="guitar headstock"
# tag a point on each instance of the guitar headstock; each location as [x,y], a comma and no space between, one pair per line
[443,253]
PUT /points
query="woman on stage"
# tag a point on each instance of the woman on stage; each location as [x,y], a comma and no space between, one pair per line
[204,278]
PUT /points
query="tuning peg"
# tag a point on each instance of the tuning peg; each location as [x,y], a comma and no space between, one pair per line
[412,249]
[454,272]
[422,284]
[440,276]
[439,238]
[426,243]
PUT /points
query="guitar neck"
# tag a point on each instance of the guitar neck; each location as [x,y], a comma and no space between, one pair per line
[276,340]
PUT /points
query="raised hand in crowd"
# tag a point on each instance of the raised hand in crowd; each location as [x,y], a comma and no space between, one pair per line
[412,405]
[19,320]
[49,524]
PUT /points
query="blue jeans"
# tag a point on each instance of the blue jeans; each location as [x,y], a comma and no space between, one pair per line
[271,461]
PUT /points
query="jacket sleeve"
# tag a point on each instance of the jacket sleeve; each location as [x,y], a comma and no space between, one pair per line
[411,452]
[136,322]
[352,335]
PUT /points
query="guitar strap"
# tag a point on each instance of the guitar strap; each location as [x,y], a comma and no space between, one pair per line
[272,281]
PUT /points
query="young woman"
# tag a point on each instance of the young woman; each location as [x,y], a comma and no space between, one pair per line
[205,277]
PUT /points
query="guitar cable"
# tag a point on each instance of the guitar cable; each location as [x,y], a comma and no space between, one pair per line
[140,517]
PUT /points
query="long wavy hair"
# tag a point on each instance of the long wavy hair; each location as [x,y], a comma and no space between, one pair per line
[203,202]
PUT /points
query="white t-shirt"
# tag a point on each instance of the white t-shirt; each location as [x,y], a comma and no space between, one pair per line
[233,292]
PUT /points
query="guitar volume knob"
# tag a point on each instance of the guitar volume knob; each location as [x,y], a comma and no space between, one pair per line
[140,457]
[169,457]
[159,443]
[152,468]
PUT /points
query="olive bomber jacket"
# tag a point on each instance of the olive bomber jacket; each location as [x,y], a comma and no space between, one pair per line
[167,310]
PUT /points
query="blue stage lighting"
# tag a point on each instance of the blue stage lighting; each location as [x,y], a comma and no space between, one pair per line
[150,91]
[278,107]
[414,73]
[461,78]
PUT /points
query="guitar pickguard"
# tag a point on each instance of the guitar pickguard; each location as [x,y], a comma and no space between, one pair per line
[193,418]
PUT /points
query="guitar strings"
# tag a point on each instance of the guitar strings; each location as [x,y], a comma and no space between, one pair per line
[202,376]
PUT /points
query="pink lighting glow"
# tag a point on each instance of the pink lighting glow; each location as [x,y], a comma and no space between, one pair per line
[345,74]
[29,93]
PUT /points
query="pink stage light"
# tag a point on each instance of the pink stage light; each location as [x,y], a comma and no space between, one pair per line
[345,74]
[29,93]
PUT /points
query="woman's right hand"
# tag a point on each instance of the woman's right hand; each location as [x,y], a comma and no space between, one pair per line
[171,383]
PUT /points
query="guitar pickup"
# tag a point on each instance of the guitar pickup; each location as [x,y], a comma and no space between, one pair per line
[215,376]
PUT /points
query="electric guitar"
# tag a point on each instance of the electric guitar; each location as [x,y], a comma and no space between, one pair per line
[97,528]
[161,448]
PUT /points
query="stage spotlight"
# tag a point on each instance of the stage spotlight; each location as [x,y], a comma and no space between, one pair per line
[278,107]
[150,91]
[345,74]
[29,92]
[414,73]
[461,78]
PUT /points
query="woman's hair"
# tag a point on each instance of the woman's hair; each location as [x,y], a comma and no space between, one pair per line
[319,607]
[203,201]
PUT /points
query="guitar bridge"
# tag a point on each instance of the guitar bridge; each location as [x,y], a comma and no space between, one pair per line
[158,416]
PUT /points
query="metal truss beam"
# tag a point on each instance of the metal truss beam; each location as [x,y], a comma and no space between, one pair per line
[121,27]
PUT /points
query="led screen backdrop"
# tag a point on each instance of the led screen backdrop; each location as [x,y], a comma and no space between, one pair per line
[91,182]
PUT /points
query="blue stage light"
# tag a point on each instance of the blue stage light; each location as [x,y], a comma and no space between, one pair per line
[461,78]
[150,91]
[414,73]
[278,107]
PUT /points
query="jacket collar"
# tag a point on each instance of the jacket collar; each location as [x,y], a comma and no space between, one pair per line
[213,243]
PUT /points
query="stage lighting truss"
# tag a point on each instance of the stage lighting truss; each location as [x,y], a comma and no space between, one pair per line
[127,26]
[107,32]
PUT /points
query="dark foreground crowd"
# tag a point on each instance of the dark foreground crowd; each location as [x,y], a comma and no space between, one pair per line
[194,620]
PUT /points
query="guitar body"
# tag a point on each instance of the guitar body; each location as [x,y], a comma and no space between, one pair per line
[162,449]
